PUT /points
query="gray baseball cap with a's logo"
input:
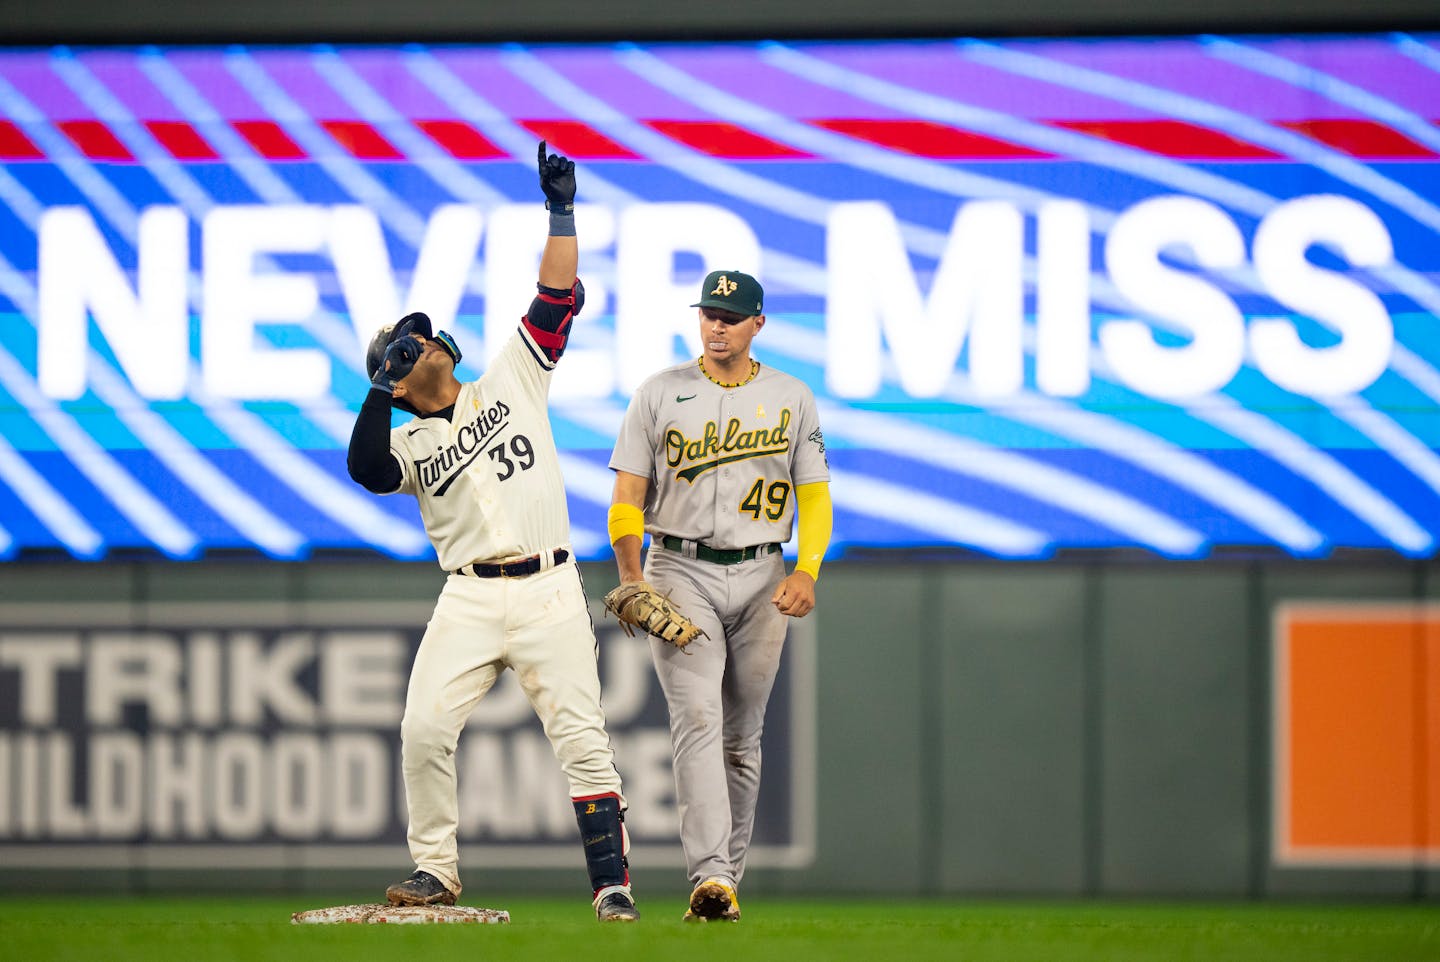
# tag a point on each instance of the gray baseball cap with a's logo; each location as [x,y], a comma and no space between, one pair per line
[732,291]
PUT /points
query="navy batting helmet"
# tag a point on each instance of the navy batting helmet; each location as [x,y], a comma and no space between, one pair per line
[416,323]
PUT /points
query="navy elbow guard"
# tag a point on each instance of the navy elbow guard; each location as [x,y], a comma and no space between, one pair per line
[602,831]
[559,295]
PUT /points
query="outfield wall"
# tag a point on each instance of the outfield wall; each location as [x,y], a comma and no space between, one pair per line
[1097,728]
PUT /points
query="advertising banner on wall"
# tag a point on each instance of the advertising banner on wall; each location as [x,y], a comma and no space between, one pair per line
[1355,776]
[1173,294]
[268,737]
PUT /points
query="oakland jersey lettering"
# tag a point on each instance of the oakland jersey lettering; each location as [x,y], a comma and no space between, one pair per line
[451,460]
[706,447]
[710,450]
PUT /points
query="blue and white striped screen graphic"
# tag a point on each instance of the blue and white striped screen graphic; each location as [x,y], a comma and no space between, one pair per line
[1177,295]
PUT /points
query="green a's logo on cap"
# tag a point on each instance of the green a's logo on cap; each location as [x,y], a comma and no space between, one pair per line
[733,291]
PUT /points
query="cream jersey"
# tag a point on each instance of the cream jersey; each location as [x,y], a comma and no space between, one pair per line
[488,479]
[723,462]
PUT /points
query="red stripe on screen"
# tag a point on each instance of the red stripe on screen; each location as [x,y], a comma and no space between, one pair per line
[93,139]
[576,140]
[460,140]
[14,145]
[360,140]
[182,141]
[1363,139]
[1170,138]
[924,138]
[724,140]
[268,139]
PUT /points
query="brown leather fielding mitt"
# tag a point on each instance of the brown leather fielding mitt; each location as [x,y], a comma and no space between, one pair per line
[637,605]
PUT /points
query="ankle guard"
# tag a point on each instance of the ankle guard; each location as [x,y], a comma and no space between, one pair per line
[602,831]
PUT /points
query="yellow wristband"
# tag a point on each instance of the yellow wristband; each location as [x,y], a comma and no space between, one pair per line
[625,519]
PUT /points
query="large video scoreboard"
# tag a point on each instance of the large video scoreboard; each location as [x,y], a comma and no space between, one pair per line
[1173,294]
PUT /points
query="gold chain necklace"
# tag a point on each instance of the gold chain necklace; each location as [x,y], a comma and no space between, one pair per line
[754,370]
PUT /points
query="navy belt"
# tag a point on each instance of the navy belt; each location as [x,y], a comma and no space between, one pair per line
[719,556]
[511,569]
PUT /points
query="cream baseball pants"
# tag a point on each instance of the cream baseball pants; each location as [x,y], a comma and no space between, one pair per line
[537,625]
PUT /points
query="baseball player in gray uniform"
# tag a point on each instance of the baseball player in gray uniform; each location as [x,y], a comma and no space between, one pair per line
[715,459]
[480,459]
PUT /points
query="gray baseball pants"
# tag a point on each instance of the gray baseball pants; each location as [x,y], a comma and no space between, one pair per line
[717,689]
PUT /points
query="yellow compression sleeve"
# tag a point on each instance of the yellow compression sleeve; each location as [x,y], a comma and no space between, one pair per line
[812,501]
[625,519]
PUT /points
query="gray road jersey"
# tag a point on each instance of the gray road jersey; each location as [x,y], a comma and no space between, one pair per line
[723,462]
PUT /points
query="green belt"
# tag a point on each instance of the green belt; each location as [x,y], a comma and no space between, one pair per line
[719,556]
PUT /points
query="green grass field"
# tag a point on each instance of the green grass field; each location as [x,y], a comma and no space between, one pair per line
[794,930]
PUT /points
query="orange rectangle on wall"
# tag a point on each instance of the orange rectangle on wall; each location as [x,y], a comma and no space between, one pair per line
[1356,766]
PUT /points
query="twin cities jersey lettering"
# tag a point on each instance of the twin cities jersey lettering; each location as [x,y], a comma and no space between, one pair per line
[488,479]
[723,462]
[439,472]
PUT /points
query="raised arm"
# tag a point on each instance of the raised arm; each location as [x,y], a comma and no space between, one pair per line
[560,295]
[561,257]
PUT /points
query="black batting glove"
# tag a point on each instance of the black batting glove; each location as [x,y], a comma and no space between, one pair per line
[400,358]
[557,180]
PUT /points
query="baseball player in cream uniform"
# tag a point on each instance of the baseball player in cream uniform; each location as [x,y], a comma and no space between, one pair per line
[480,460]
[715,458]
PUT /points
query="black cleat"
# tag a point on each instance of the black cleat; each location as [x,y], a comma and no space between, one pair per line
[616,905]
[421,888]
